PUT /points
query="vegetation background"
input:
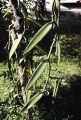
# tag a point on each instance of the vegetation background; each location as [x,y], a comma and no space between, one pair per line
[66,104]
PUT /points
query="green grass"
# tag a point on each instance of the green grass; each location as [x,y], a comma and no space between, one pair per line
[69,66]
[66,69]
[9,109]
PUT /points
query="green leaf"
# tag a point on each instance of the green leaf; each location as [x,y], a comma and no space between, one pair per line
[34,21]
[32,101]
[37,73]
[28,94]
[7,12]
[38,37]
[58,51]
[56,87]
[15,45]
[57,4]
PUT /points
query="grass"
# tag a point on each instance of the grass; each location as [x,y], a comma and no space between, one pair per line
[69,69]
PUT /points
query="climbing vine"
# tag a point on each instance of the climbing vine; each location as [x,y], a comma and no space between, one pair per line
[22,49]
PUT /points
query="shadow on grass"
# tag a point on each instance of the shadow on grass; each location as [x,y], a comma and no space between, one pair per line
[67,105]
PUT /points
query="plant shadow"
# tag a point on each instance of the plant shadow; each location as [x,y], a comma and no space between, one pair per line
[67,105]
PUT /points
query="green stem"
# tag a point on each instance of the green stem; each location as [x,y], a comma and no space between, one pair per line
[51,47]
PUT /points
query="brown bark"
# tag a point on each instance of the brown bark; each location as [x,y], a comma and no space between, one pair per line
[16,29]
[22,77]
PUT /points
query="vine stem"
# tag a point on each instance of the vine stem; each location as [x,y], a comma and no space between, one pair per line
[48,58]
[51,47]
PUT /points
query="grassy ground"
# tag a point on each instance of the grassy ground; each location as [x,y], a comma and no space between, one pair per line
[49,108]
